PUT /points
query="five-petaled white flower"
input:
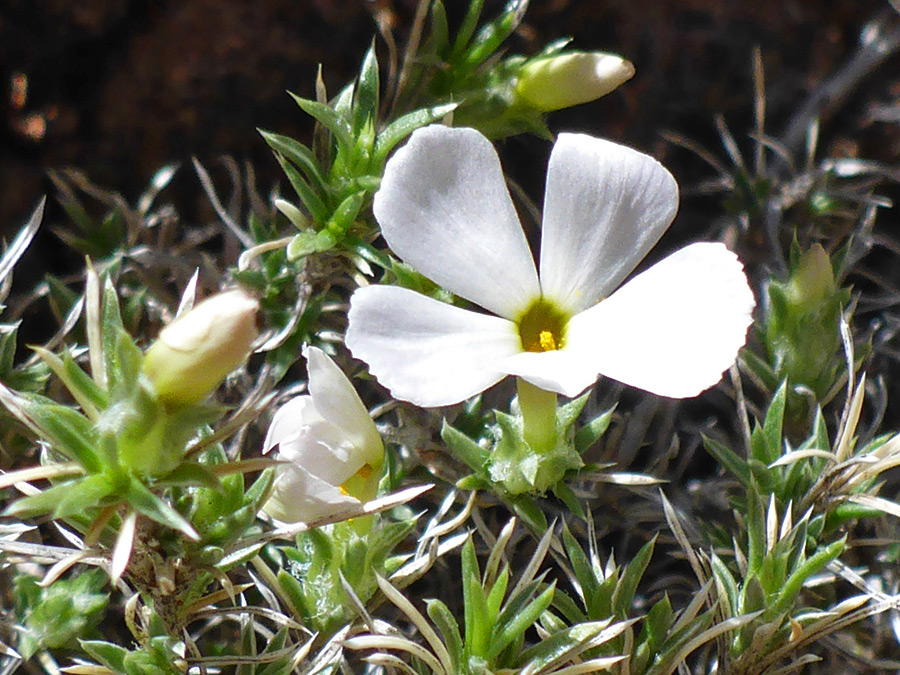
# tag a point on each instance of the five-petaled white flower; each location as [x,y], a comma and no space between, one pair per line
[334,451]
[444,208]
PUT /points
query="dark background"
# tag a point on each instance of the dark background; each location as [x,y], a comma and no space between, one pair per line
[117,88]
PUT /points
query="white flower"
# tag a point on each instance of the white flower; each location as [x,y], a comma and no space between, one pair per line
[334,450]
[444,208]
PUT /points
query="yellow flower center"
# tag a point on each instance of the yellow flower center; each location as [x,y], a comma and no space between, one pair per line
[542,327]
[356,480]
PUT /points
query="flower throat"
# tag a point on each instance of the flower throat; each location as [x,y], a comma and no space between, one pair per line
[542,328]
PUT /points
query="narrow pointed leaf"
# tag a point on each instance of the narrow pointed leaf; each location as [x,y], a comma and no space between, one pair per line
[365,100]
[156,509]
[626,588]
[299,155]
[403,126]
[443,618]
[728,459]
[466,29]
[312,201]
[329,118]
[520,621]
[591,432]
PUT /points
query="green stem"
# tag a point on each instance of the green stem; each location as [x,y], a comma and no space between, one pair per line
[538,408]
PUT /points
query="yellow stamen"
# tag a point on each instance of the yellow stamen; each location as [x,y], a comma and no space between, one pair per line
[548,344]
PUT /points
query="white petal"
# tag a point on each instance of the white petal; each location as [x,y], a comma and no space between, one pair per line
[290,419]
[672,330]
[444,208]
[337,401]
[298,496]
[562,370]
[321,449]
[605,207]
[427,352]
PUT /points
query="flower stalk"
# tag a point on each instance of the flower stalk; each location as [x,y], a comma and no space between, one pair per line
[538,408]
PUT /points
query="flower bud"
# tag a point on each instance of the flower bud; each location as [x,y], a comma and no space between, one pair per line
[812,283]
[195,352]
[571,78]
[802,323]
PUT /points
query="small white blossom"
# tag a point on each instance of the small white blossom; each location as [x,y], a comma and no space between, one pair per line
[444,208]
[333,450]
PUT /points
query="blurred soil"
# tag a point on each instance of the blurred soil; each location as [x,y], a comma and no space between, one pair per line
[118,88]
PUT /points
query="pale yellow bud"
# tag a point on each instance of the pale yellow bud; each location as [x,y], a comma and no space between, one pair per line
[572,78]
[812,283]
[195,352]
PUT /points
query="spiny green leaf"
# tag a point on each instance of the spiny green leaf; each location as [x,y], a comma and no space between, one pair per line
[108,654]
[497,593]
[87,493]
[569,498]
[445,622]
[329,118]
[728,459]
[547,651]
[8,333]
[123,364]
[753,597]
[40,503]
[299,155]
[516,623]
[726,580]
[492,34]
[659,621]
[466,29]
[528,510]
[477,626]
[67,430]
[773,425]
[815,564]
[157,509]
[345,214]
[626,588]
[465,449]
[293,589]
[365,100]
[591,432]
[84,383]
[584,572]
[403,126]
[312,201]
[440,32]
[756,532]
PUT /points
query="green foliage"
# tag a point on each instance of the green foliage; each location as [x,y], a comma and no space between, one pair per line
[501,458]
[51,617]
[801,332]
[157,653]
[335,180]
[314,571]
